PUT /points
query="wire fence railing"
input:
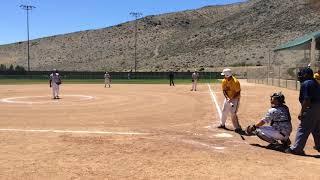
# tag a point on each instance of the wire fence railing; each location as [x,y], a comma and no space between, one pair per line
[277,75]
[114,75]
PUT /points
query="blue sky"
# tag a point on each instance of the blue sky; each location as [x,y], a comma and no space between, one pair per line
[52,17]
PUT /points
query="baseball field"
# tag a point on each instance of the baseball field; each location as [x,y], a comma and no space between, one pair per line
[140,131]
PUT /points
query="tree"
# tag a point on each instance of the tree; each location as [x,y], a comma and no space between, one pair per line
[11,69]
[3,68]
[19,69]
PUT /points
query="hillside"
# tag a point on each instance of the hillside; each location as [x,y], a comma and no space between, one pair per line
[209,37]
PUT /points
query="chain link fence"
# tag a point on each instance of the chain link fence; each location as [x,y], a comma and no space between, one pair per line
[277,75]
[114,75]
[282,68]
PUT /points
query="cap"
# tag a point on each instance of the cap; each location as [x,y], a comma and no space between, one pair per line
[226,72]
[306,71]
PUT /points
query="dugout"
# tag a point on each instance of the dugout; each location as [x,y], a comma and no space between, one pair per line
[309,43]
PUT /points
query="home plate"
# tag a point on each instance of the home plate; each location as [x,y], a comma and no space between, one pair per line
[219,148]
[226,135]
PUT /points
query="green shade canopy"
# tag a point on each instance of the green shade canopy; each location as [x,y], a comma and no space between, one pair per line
[301,43]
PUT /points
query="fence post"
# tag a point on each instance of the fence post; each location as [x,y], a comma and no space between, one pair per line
[286,83]
[296,78]
[279,76]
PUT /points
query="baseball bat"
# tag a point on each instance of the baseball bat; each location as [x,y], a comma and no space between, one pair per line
[242,137]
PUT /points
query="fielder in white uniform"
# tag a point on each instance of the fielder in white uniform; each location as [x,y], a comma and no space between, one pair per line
[195,78]
[107,79]
[54,83]
[280,123]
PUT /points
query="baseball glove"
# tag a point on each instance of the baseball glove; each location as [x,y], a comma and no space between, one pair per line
[250,130]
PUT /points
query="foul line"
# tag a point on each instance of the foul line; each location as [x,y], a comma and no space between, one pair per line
[214,101]
[74,132]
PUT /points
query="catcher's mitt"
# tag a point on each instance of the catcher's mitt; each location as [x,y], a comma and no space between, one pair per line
[250,130]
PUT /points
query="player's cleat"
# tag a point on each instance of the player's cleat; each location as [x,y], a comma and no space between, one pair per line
[222,126]
[290,151]
[286,142]
[240,131]
[274,146]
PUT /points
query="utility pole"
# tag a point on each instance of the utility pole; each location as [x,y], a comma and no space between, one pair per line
[136,15]
[28,8]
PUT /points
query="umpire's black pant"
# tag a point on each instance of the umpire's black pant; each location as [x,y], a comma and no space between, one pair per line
[171,82]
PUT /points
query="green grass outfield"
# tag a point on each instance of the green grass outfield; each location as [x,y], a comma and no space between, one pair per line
[101,81]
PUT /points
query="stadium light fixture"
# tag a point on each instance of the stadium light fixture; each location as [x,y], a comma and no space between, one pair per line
[28,8]
[136,15]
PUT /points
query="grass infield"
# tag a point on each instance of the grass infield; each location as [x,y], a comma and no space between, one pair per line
[101,81]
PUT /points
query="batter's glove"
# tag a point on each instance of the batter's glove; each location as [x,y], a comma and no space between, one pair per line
[250,130]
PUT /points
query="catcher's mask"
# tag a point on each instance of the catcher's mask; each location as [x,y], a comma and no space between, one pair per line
[279,97]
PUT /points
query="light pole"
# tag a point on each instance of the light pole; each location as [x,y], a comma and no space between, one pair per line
[136,15]
[28,8]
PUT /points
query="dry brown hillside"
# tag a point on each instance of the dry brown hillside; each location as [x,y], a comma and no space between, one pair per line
[208,37]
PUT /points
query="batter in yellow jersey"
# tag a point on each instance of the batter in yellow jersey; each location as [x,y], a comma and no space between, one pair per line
[231,91]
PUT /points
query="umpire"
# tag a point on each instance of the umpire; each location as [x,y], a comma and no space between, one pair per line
[309,115]
[171,77]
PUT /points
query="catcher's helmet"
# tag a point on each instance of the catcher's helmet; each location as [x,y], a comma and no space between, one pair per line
[279,96]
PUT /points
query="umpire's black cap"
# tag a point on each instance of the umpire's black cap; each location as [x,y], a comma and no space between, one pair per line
[306,71]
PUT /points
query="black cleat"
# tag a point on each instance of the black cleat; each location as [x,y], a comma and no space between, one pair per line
[290,151]
[273,146]
[222,127]
[240,131]
[286,142]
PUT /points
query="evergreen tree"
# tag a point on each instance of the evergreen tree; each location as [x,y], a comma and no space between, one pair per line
[3,68]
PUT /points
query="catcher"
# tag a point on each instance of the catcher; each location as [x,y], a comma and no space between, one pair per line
[280,123]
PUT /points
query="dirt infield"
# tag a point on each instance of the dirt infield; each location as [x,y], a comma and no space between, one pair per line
[139,132]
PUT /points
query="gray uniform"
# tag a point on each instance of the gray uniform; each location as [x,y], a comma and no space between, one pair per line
[107,79]
[280,124]
[195,77]
[55,82]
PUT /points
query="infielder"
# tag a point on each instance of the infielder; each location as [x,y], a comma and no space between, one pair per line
[107,79]
[280,124]
[231,91]
[195,78]
[54,83]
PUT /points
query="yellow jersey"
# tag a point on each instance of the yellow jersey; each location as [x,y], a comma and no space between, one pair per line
[232,87]
[317,77]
